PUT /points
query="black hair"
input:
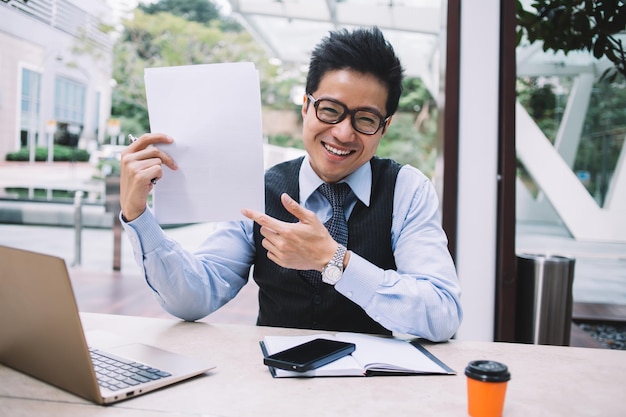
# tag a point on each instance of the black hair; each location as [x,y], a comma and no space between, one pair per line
[362,50]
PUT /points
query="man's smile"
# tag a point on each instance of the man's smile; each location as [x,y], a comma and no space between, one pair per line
[336,151]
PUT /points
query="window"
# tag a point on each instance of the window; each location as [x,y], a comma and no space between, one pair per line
[69,101]
[69,111]
[31,97]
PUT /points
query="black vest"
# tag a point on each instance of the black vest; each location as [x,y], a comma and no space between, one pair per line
[285,298]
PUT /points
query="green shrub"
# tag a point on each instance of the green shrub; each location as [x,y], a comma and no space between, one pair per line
[61,153]
[109,168]
[285,140]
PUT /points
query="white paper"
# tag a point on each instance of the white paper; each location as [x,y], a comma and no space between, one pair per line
[399,354]
[213,112]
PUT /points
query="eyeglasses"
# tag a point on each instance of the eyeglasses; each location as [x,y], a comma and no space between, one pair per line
[364,120]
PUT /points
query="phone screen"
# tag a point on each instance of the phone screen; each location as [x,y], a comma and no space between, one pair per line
[310,355]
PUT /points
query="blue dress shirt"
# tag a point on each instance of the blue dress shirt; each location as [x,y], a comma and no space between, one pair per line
[421,298]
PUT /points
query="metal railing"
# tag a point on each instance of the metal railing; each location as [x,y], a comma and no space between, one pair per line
[78,227]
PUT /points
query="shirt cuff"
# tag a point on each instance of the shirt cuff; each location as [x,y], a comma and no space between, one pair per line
[151,233]
[360,280]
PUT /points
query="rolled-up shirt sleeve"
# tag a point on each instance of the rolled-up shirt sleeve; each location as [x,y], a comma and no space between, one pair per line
[191,285]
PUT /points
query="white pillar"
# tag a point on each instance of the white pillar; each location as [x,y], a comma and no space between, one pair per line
[478,163]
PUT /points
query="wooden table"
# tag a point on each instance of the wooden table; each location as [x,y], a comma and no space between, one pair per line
[546,380]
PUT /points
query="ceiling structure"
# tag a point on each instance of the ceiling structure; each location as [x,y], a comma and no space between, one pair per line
[290,29]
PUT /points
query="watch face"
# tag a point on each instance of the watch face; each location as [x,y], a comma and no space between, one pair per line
[331,274]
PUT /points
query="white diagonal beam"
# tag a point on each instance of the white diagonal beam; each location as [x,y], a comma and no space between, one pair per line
[578,210]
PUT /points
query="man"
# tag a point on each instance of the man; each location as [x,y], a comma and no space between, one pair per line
[392,274]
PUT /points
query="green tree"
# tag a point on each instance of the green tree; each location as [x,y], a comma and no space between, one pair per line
[415,95]
[166,40]
[411,138]
[408,143]
[577,25]
[603,136]
[581,25]
[201,11]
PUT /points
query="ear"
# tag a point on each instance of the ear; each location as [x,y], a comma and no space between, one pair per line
[305,105]
[387,123]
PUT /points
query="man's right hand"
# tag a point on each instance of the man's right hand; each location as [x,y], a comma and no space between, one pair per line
[303,245]
[141,163]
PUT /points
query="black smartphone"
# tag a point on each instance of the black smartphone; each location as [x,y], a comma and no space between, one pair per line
[309,355]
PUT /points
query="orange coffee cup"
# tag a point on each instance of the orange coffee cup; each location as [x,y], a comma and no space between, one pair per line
[486,388]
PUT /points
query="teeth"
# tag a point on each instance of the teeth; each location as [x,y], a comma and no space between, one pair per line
[335,150]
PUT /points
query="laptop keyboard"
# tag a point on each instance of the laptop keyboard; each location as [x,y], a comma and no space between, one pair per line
[115,373]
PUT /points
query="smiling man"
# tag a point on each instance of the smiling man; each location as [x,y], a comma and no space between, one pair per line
[348,241]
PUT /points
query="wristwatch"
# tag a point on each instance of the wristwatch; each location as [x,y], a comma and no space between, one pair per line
[333,271]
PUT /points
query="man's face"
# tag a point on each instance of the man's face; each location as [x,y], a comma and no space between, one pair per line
[337,150]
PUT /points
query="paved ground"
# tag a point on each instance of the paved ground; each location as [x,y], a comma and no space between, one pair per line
[600,270]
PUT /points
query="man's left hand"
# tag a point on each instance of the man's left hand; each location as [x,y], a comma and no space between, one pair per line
[303,245]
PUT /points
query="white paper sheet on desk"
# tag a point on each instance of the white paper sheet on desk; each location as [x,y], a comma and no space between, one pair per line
[213,112]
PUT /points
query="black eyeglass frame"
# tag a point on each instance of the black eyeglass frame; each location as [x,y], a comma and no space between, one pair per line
[346,112]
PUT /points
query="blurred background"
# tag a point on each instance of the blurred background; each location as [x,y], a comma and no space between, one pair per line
[72,89]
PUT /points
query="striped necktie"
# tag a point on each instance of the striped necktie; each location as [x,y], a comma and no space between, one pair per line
[336,225]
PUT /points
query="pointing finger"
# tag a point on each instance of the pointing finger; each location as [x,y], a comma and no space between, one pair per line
[262,219]
[296,209]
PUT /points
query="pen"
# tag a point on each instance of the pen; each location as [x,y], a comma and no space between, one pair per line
[133,139]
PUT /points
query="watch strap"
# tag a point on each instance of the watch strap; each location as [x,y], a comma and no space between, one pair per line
[337,259]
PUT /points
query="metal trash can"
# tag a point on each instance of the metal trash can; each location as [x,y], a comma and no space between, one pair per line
[544,299]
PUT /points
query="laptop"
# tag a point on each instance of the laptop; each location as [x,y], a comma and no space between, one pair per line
[42,336]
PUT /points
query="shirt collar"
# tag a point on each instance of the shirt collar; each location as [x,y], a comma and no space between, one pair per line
[360,181]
